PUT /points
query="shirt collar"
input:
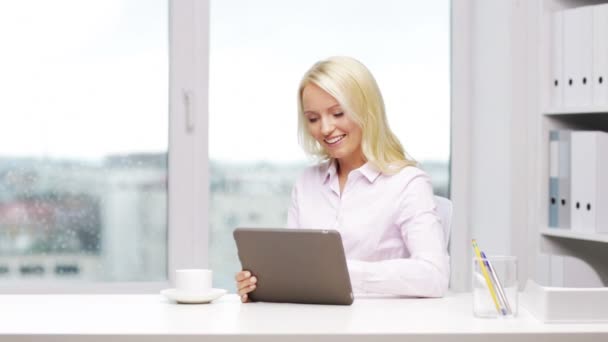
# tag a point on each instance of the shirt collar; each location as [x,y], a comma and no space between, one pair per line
[368,170]
[331,171]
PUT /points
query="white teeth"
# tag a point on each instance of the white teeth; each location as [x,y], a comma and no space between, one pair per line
[335,140]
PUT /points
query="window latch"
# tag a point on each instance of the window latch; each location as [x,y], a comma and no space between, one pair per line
[187,98]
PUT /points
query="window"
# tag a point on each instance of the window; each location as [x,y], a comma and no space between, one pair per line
[259,50]
[88,91]
[84,140]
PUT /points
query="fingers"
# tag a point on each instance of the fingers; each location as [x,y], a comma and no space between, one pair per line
[242,275]
[245,284]
[244,291]
[244,298]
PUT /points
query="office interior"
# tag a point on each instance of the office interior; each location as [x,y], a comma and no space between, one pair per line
[501,116]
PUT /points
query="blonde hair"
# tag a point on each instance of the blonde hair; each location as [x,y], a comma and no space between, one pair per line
[356,90]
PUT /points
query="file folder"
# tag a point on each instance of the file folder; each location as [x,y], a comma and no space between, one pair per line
[559,179]
[557,60]
[553,179]
[564,185]
[600,55]
[578,56]
[589,166]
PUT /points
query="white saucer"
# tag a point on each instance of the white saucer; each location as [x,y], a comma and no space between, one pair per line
[193,298]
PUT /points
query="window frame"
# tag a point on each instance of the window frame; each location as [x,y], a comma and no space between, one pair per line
[460,144]
[188,171]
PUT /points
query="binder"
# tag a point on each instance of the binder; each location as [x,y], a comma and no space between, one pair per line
[600,55]
[563,212]
[553,179]
[578,56]
[589,181]
[557,60]
[559,179]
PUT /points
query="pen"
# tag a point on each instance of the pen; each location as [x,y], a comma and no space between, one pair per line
[501,293]
[487,277]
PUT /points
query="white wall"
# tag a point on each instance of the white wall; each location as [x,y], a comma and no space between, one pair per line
[490,120]
[498,131]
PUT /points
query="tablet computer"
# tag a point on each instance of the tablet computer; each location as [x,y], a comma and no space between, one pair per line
[295,265]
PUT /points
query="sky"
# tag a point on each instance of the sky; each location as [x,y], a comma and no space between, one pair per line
[83,79]
[261,49]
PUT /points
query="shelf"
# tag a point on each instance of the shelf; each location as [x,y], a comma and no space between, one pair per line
[568,234]
[577,110]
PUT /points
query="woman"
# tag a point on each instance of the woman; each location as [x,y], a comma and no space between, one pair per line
[365,187]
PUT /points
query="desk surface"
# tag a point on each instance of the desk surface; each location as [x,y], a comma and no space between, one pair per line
[152,317]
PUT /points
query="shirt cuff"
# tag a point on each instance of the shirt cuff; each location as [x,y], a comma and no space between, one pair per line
[356,271]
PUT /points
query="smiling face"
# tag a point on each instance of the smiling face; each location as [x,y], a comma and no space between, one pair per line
[331,127]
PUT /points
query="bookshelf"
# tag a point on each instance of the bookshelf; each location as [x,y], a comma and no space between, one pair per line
[568,234]
[568,254]
[573,111]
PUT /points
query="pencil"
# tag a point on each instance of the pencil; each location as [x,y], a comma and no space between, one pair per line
[499,287]
[482,266]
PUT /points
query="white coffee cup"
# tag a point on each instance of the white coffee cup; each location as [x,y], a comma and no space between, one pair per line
[193,280]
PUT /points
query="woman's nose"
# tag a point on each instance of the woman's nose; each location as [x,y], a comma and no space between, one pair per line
[327,126]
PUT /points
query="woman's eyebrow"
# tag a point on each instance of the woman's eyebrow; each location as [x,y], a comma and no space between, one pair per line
[310,111]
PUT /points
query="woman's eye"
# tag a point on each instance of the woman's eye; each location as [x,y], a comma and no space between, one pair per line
[338,114]
[311,120]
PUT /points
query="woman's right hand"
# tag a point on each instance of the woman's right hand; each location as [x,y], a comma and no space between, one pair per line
[245,283]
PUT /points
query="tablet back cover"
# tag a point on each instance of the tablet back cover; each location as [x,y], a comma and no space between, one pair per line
[295,265]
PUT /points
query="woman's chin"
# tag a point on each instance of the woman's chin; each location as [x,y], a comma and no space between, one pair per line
[336,154]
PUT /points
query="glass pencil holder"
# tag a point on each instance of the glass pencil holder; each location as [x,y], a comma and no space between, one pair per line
[495,287]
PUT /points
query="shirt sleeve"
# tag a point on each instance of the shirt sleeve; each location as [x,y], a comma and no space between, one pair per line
[426,272]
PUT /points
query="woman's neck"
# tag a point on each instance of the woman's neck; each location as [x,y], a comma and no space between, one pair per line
[345,166]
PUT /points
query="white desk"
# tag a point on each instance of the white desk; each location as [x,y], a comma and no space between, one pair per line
[152,318]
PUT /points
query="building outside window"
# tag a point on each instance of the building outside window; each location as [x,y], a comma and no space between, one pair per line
[84,141]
